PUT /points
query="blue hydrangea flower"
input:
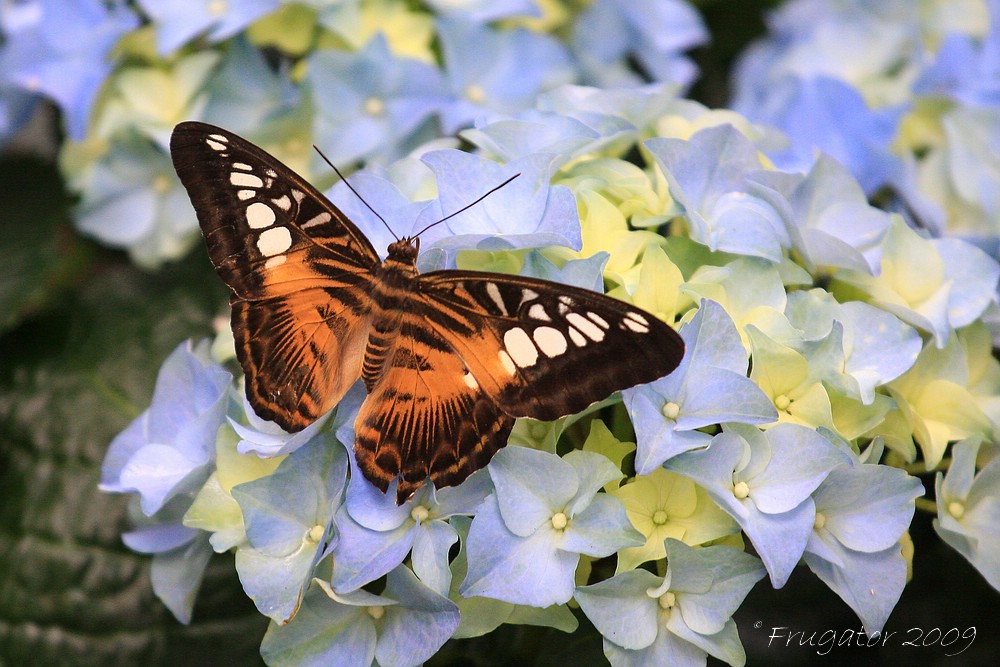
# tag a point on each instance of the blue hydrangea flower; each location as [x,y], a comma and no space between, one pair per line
[966,69]
[481,615]
[876,347]
[526,539]
[862,512]
[484,11]
[289,518]
[534,131]
[61,49]
[525,213]
[245,92]
[710,386]
[586,273]
[678,618]
[131,199]
[164,456]
[968,507]
[168,449]
[402,627]
[937,285]
[371,103]
[606,109]
[708,180]
[764,480]
[374,535]
[180,555]
[654,32]
[826,114]
[179,21]
[831,222]
[522,64]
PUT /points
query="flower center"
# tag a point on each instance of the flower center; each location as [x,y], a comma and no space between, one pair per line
[475,93]
[559,521]
[315,534]
[217,7]
[956,509]
[376,612]
[820,521]
[537,431]
[374,106]
[667,600]
[741,490]
[660,517]
[782,402]
[161,184]
[420,513]
[671,410]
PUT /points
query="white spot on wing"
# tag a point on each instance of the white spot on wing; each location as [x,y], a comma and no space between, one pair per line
[246,194]
[242,166]
[537,312]
[215,145]
[636,322]
[470,381]
[219,137]
[320,219]
[259,215]
[638,318]
[589,329]
[578,338]
[527,295]
[520,348]
[277,260]
[242,180]
[274,241]
[507,362]
[598,320]
[283,202]
[298,195]
[550,341]
[494,293]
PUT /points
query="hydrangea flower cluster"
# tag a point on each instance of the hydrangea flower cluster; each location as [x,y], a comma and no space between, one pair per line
[368,80]
[906,98]
[832,348]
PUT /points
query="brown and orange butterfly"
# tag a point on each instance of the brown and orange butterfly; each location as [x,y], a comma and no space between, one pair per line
[449,358]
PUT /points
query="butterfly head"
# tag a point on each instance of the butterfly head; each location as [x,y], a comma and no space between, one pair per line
[405,250]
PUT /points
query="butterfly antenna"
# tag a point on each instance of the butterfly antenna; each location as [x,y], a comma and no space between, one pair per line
[467,206]
[356,194]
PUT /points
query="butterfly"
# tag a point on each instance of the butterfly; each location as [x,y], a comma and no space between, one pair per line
[449,358]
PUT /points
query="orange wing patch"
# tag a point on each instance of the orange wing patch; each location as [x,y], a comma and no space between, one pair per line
[425,415]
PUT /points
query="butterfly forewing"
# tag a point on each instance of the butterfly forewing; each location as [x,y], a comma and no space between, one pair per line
[546,350]
[298,269]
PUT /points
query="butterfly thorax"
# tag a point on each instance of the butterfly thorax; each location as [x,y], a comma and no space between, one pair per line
[396,274]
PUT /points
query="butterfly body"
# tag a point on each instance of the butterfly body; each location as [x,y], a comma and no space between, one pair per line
[449,358]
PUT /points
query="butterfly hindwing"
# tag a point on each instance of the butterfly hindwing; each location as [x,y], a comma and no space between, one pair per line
[425,415]
[299,272]
[545,350]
